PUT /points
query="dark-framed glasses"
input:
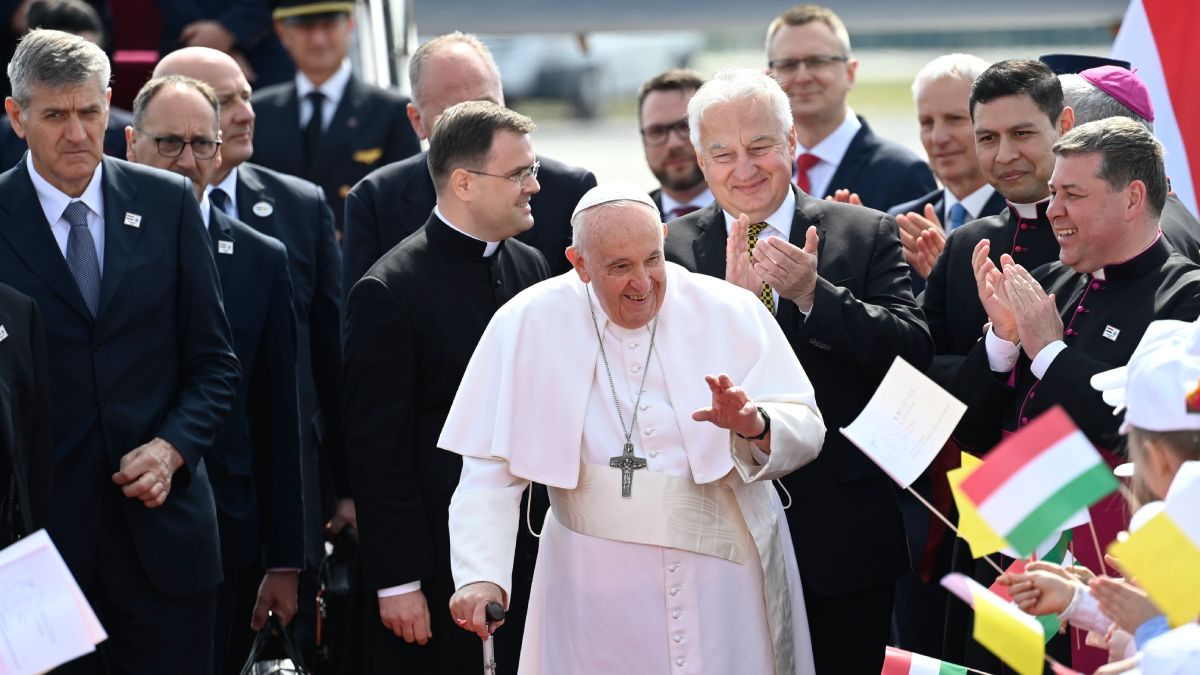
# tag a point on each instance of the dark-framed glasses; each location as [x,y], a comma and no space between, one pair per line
[814,63]
[656,134]
[521,177]
[172,146]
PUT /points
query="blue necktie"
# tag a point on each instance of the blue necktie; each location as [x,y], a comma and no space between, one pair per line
[958,213]
[81,256]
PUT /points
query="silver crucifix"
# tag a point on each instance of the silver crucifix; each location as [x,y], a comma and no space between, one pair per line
[627,463]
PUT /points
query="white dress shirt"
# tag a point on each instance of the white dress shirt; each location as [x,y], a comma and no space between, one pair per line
[830,151]
[973,202]
[699,201]
[333,89]
[54,202]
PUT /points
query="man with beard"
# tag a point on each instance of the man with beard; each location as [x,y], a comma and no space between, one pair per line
[662,118]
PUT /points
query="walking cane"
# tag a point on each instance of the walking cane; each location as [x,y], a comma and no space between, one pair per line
[494,613]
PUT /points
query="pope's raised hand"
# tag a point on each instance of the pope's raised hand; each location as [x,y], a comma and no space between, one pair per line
[731,408]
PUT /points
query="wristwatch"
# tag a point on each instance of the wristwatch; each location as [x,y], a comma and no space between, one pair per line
[766,427]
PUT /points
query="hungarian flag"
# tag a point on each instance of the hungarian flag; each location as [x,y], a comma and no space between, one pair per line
[1032,484]
[1163,555]
[900,662]
[1158,37]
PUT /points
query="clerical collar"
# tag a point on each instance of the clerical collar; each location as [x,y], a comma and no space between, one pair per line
[489,247]
[1035,211]
[973,202]
[332,89]
[780,221]
[1147,260]
[699,201]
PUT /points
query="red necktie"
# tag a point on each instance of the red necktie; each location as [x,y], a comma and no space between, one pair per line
[803,163]
[681,211]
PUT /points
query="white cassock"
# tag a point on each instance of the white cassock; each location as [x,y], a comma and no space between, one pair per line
[695,573]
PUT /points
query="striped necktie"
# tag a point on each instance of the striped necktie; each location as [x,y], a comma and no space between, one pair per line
[764,293]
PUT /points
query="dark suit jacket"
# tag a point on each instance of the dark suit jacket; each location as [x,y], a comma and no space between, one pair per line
[25,434]
[994,205]
[882,172]
[863,317]
[406,351]
[156,362]
[248,20]
[13,147]
[255,467]
[395,201]
[368,130]
[299,217]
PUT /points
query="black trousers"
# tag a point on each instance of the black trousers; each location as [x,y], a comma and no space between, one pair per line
[148,632]
[850,631]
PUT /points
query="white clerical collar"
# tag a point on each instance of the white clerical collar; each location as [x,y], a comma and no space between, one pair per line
[54,201]
[833,147]
[229,187]
[699,201]
[1028,211]
[973,202]
[781,220]
[332,89]
[488,250]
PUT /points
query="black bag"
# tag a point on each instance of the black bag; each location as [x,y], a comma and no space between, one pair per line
[339,606]
[293,664]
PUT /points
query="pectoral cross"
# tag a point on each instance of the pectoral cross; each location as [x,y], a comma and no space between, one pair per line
[627,463]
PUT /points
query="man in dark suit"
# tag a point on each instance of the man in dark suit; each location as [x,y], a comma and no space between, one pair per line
[239,28]
[293,211]
[255,465]
[393,202]
[356,127]
[808,52]
[142,368]
[662,120]
[942,90]
[406,350]
[835,278]
[26,471]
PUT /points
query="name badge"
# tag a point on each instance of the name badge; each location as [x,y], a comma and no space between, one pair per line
[133,220]
[263,209]
[1111,332]
[3,333]
[225,247]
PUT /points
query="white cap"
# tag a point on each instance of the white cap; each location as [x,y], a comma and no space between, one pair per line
[1162,389]
[614,191]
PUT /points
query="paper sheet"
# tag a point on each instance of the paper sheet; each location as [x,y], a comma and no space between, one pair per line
[906,423]
[45,620]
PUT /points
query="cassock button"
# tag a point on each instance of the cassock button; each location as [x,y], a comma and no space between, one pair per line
[633,345]
[672,567]
[1080,309]
[680,662]
[649,431]
[637,368]
[1070,331]
[1024,226]
[645,407]
[674,591]
[1024,420]
[675,614]
[1096,285]
[680,638]
[1018,249]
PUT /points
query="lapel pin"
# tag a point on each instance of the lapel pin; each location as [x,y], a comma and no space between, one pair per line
[3,333]
[263,209]
[133,219]
[1111,332]
[225,247]
[352,122]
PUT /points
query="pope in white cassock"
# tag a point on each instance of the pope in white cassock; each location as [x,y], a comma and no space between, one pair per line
[656,405]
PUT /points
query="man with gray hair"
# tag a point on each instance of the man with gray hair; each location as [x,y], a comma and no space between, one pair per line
[396,200]
[942,90]
[833,276]
[1112,91]
[255,464]
[143,373]
[406,348]
[665,536]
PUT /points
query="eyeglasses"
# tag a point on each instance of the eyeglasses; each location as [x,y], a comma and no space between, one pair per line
[814,63]
[172,147]
[656,134]
[520,178]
